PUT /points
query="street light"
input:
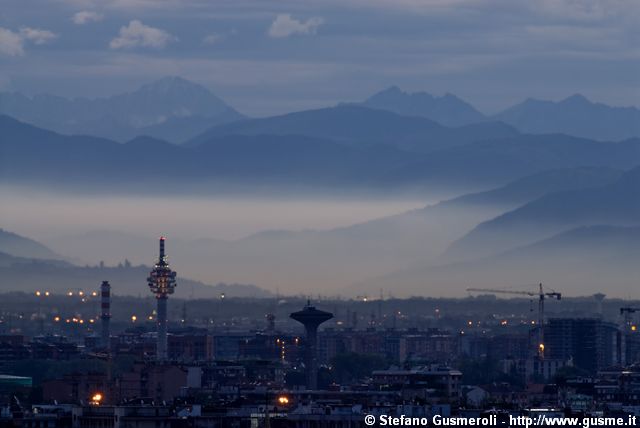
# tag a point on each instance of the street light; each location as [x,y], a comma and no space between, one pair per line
[40,294]
[96,399]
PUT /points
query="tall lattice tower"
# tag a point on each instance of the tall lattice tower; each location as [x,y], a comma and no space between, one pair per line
[162,282]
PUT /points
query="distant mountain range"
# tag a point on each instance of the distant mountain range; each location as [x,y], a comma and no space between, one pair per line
[328,153]
[575,115]
[31,155]
[554,197]
[498,161]
[360,126]
[173,109]
[615,204]
[448,110]
[177,110]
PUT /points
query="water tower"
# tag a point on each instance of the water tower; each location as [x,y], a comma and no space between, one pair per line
[311,318]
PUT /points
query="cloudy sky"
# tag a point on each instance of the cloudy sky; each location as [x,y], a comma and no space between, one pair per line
[273,56]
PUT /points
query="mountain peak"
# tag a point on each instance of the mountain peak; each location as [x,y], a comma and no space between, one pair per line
[576,99]
[575,115]
[448,110]
[171,107]
[390,90]
[172,84]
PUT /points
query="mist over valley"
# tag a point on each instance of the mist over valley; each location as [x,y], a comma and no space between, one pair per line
[406,192]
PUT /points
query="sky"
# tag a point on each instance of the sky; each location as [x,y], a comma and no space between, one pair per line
[274,56]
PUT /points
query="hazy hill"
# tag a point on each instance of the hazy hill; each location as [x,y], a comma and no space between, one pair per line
[363,126]
[19,246]
[351,253]
[331,259]
[172,108]
[587,259]
[30,155]
[36,156]
[534,186]
[575,115]
[614,204]
[448,110]
[27,265]
[32,274]
[609,243]
[501,160]
[298,157]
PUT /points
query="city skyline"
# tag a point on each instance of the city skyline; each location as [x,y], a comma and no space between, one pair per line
[379,212]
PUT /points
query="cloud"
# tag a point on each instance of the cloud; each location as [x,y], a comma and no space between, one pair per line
[284,26]
[36,35]
[86,16]
[136,34]
[10,43]
[212,39]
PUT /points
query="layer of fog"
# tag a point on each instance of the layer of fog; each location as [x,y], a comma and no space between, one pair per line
[312,246]
[46,216]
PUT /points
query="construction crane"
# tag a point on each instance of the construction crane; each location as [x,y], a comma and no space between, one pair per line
[627,328]
[542,296]
[626,314]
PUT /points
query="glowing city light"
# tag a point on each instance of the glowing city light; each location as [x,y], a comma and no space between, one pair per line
[283,399]
[96,398]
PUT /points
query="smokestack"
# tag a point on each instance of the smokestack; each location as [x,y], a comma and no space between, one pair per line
[105,316]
